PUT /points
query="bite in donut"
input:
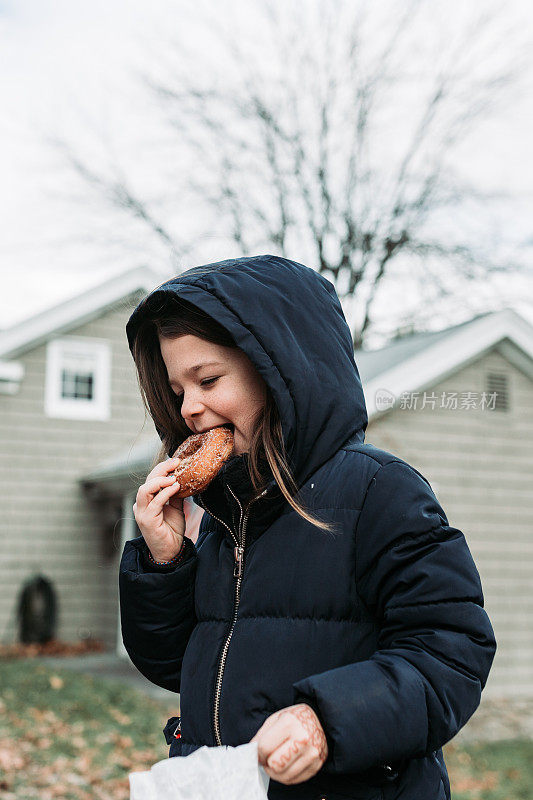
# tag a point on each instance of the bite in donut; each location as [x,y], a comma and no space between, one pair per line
[202,455]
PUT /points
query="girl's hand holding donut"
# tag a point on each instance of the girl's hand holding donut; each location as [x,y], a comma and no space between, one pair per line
[162,525]
[291,744]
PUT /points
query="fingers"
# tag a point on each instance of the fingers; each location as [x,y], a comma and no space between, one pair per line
[163,468]
[301,771]
[286,749]
[152,489]
[262,752]
[161,498]
[293,762]
[270,736]
[156,480]
[286,755]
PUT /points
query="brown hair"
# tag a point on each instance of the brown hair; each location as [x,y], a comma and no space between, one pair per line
[171,317]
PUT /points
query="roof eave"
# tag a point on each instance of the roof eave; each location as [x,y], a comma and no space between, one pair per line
[75,311]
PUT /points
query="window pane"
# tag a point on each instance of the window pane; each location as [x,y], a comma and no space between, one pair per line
[77,385]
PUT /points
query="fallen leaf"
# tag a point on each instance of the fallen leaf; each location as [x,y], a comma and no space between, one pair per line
[121,718]
[10,759]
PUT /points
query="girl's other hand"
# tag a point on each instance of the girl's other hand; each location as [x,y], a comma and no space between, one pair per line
[291,744]
[162,525]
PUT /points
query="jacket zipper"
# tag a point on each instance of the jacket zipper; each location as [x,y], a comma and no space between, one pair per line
[238,570]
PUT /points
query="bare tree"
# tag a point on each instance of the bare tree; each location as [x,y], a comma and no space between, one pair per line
[329,142]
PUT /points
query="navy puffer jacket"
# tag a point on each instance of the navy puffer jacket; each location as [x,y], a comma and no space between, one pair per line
[380,626]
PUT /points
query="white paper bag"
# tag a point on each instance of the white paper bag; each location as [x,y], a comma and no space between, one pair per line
[210,773]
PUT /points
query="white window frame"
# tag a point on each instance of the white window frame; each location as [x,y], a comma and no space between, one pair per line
[99,408]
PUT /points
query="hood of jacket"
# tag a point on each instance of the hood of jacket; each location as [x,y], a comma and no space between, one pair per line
[288,320]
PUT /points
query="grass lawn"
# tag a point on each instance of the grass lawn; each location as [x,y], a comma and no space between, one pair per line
[68,736]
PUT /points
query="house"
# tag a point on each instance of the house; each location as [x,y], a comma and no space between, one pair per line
[68,401]
[456,404]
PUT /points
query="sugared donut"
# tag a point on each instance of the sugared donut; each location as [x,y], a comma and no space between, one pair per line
[202,456]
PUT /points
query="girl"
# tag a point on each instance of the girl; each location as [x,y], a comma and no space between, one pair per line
[327,610]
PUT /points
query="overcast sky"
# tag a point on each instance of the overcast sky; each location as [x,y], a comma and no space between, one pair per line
[68,69]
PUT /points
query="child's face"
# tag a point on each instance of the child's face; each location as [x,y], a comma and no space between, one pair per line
[236,396]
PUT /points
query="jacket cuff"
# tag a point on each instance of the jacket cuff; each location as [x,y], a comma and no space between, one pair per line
[377,776]
[187,549]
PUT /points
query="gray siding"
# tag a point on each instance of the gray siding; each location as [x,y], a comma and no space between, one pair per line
[49,525]
[480,466]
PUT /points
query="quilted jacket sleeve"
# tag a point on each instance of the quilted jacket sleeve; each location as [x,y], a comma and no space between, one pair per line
[157,612]
[436,645]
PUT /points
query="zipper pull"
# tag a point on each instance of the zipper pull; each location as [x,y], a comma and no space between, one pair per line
[177,732]
[237,569]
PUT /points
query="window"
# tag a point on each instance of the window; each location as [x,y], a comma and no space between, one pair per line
[498,392]
[76,385]
[78,378]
